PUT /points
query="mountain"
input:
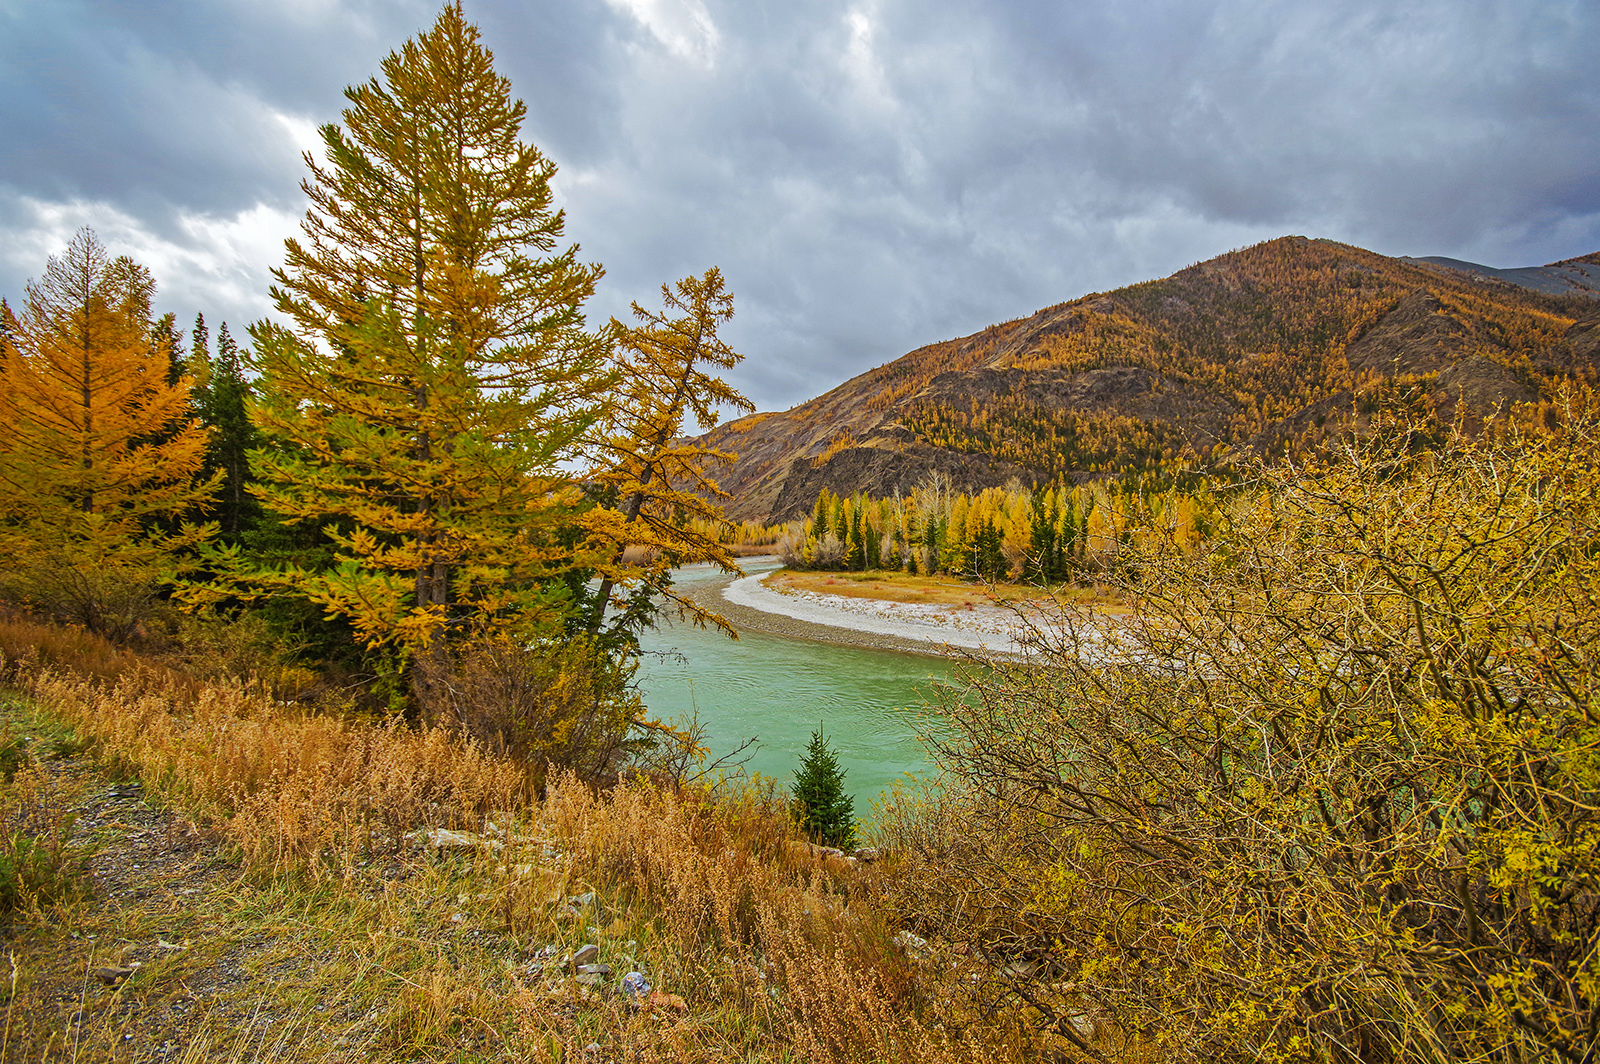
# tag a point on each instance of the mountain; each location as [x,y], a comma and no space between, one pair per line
[1262,350]
[1580,276]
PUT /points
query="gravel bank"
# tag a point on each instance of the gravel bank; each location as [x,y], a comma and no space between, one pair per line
[904,627]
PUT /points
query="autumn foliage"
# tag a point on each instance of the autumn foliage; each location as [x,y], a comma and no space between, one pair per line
[437,370]
[1329,794]
[656,489]
[100,456]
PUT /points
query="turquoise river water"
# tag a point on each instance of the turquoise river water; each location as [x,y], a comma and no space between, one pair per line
[870,703]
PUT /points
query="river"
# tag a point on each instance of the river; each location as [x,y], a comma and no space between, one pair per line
[778,690]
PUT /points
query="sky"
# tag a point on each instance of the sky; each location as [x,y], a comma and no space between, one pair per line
[870,175]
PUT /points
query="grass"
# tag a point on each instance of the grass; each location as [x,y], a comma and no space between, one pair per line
[888,586]
[279,905]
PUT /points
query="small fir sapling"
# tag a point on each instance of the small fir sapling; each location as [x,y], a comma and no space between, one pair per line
[818,802]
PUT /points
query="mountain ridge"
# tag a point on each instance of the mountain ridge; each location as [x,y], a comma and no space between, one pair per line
[1260,350]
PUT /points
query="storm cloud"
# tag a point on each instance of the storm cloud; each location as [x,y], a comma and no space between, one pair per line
[870,176]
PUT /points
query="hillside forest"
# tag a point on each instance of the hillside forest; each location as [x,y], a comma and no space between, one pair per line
[1267,352]
[319,740]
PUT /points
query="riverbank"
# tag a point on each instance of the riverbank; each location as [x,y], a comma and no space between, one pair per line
[879,624]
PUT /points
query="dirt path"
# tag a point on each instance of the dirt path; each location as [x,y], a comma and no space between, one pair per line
[176,953]
[156,954]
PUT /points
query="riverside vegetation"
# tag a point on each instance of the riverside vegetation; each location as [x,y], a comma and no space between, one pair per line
[319,741]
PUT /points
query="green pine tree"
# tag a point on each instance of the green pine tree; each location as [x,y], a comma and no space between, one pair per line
[819,804]
[220,396]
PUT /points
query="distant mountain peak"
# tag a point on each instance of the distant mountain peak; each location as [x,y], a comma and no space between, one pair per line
[1569,277]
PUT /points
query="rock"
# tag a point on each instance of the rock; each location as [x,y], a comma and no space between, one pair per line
[113,975]
[635,986]
[912,944]
[867,854]
[594,969]
[541,959]
[672,1002]
[445,839]
[576,905]
[592,1047]
[591,979]
[587,954]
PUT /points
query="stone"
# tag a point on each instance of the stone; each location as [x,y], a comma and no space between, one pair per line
[635,986]
[667,1001]
[868,854]
[113,975]
[445,839]
[594,969]
[591,979]
[587,954]
[541,959]
[912,944]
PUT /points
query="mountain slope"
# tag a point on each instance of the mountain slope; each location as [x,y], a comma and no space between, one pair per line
[1261,349]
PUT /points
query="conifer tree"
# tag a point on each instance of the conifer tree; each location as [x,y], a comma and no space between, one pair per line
[819,804]
[437,371]
[220,395]
[100,454]
[656,482]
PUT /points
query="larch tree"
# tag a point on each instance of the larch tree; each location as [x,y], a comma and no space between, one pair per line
[101,455]
[435,372]
[658,486]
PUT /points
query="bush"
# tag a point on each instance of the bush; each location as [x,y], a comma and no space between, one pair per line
[564,706]
[110,600]
[1333,792]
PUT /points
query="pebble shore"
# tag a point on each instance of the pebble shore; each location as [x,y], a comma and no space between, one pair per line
[869,623]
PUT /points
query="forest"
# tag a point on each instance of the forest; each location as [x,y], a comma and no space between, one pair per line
[1063,533]
[318,738]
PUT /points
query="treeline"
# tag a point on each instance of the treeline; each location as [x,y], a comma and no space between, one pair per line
[1061,533]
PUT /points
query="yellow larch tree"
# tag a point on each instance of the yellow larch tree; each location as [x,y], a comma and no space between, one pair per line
[435,374]
[101,455]
[657,487]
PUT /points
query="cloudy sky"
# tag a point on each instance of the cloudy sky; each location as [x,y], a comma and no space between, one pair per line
[871,175]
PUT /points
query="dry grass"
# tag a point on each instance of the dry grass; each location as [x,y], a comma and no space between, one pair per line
[940,591]
[296,791]
[347,943]
[27,646]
